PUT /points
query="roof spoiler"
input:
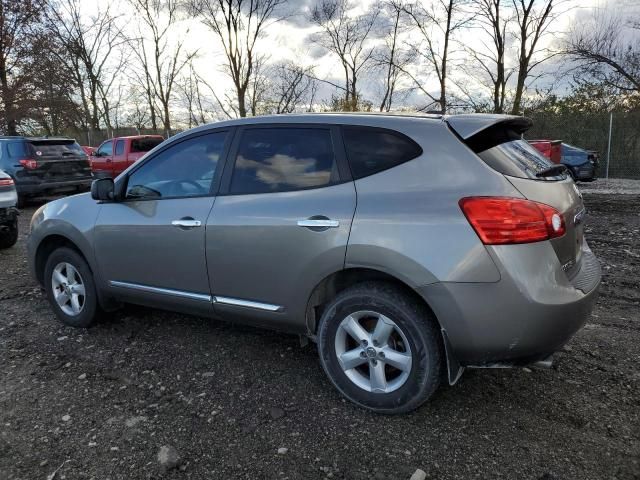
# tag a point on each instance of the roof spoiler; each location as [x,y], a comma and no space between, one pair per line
[483,131]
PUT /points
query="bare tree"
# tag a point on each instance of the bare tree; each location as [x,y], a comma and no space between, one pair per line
[607,49]
[161,53]
[492,20]
[92,50]
[238,25]
[392,58]
[346,35]
[293,87]
[436,25]
[190,88]
[533,18]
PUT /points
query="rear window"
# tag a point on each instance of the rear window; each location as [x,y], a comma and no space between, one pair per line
[145,144]
[372,150]
[56,148]
[517,158]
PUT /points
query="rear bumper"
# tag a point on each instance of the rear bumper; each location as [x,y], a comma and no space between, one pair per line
[35,188]
[585,173]
[526,316]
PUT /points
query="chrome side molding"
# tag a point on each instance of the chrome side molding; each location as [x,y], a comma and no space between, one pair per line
[248,303]
[164,291]
[237,302]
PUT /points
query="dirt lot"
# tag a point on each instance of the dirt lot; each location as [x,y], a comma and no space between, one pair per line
[100,403]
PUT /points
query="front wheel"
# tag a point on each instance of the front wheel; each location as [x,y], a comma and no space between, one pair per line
[70,288]
[381,348]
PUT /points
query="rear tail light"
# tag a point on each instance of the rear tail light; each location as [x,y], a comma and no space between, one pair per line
[505,220]
[29,164]
[6,182]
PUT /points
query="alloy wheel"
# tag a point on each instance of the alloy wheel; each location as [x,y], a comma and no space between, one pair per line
[373,352]
[68,288]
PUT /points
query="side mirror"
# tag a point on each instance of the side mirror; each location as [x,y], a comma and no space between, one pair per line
[102,189]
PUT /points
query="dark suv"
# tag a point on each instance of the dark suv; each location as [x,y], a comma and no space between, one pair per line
[43,166]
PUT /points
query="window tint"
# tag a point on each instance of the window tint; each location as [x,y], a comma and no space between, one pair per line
[145,144]
[371,150]
[106,149]
[518,159]
[119,147]
[17,149]
[282,159]
[60,148]
[185,169]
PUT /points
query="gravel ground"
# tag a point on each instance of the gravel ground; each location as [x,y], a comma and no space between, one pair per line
[148,394]
[624,186]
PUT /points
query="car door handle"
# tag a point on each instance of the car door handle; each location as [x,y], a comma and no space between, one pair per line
[186,222]
[318,223]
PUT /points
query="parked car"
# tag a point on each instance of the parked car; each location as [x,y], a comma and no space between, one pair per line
[582,164]
[88,150]
[8,211]
[407,247]
[42,166]
[113,156]
[552,149]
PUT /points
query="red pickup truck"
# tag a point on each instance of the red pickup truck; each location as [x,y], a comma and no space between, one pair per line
[113,156]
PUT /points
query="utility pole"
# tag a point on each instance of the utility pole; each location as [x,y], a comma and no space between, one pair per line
[609,146]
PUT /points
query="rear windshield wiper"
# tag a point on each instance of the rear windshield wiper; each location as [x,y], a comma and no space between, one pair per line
[552,171]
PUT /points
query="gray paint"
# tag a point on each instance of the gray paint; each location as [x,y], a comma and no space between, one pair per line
[496,304]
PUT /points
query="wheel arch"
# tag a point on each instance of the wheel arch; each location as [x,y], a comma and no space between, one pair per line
[48,245]
[340,280]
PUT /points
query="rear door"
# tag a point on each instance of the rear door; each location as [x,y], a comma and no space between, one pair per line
[281,223]
[59,160]
[119,159]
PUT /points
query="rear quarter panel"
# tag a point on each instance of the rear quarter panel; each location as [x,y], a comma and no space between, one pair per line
[408,222]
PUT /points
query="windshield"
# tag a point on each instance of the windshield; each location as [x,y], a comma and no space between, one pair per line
[518,159]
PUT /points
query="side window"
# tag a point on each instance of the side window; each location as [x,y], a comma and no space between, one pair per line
[106,149]
[283,159]
[120,147]
[185,169]
[372,150]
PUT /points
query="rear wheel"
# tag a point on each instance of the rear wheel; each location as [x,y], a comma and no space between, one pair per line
[70,288]
[381,348]
[9,234]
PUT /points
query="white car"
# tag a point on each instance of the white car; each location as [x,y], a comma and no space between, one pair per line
[8,211]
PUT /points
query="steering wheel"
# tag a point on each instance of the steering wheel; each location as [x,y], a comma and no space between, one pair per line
[199,188]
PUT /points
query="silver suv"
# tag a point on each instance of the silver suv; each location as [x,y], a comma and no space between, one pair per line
[406,247]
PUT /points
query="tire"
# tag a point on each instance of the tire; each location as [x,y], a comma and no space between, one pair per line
[414,335]
[22,201]
[65,261]
[9,237]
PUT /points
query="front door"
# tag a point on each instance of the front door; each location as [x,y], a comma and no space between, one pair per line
[281,225]
[150,246]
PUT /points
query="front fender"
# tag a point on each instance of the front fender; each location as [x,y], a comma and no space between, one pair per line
[71,218]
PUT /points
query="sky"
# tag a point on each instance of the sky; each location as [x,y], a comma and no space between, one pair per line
[290,39]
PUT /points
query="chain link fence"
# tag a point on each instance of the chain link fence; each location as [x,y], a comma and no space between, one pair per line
[590,131]
[93,138]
